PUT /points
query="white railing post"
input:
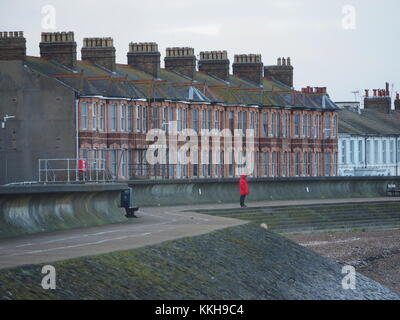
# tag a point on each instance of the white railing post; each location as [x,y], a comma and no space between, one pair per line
[45,167]
[40,173]
[68,170]
[76,169]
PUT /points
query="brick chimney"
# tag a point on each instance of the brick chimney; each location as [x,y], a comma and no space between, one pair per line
[215,63]
[248,67]
[12,45]
[100,51]
[379,103]
[145,56]
[59,47]
[282,72]
[181,60]
[397,102]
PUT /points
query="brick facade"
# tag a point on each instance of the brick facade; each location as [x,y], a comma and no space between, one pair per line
[310,153]
[295,132]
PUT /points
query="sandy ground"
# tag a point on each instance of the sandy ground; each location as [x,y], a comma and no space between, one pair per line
[374,254]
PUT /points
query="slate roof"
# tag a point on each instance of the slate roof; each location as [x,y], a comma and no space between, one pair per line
[126,82]
[369,122]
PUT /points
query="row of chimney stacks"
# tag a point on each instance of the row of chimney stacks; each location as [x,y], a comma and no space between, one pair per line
[61,48]
[379,93]
[380,101]
[318,90]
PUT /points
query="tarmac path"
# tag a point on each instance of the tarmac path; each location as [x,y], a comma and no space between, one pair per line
[154,225]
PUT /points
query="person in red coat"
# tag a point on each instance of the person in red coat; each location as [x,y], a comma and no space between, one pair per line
[244,190]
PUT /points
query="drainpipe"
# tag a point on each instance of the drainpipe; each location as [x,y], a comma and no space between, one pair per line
[77,130]
[397,156]
[365,151]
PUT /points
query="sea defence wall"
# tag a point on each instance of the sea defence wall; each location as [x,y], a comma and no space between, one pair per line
[40,208]
[245,262]
[186,192]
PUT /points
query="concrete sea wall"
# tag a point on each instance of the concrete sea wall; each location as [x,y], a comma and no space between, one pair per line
[31,209]
[39,208]
[186,192]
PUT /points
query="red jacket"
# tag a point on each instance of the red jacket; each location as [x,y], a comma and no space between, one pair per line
[244,186]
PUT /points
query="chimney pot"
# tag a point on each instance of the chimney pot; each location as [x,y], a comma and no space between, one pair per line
[282,72]
[215,63]
[181,60]
[59,47]
[144,56]
[12,45]
[249,67]
[100,51]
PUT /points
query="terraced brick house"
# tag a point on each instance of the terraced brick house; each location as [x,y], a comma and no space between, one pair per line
[100,111]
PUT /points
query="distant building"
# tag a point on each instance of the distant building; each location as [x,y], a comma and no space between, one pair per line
[369,139]
[100,111]
[351,105]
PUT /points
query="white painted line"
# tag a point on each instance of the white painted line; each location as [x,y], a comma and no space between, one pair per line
[128,229]
[169,222]
[77,245]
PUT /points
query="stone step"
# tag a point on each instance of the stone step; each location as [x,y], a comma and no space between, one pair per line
[335,227]
[321,208]
[349,220]
[295,230]
[299,213]
[322,218]
[332,229]
[314,218]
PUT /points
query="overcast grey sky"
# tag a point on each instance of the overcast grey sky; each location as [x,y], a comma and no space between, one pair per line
[311,32]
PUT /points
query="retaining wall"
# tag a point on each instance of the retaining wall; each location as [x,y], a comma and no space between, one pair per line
[186,192]
[31,209]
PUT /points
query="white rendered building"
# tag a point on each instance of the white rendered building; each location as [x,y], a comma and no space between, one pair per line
[369,141]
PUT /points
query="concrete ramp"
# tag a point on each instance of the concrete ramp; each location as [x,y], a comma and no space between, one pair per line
[243,262]
[42,208]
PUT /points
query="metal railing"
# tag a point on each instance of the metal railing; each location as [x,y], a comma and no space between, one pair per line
[69,170]
[213,171]
[99,170]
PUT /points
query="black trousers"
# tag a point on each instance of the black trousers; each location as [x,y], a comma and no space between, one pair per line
[242,198]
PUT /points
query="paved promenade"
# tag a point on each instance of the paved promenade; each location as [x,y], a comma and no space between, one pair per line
[154,225]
